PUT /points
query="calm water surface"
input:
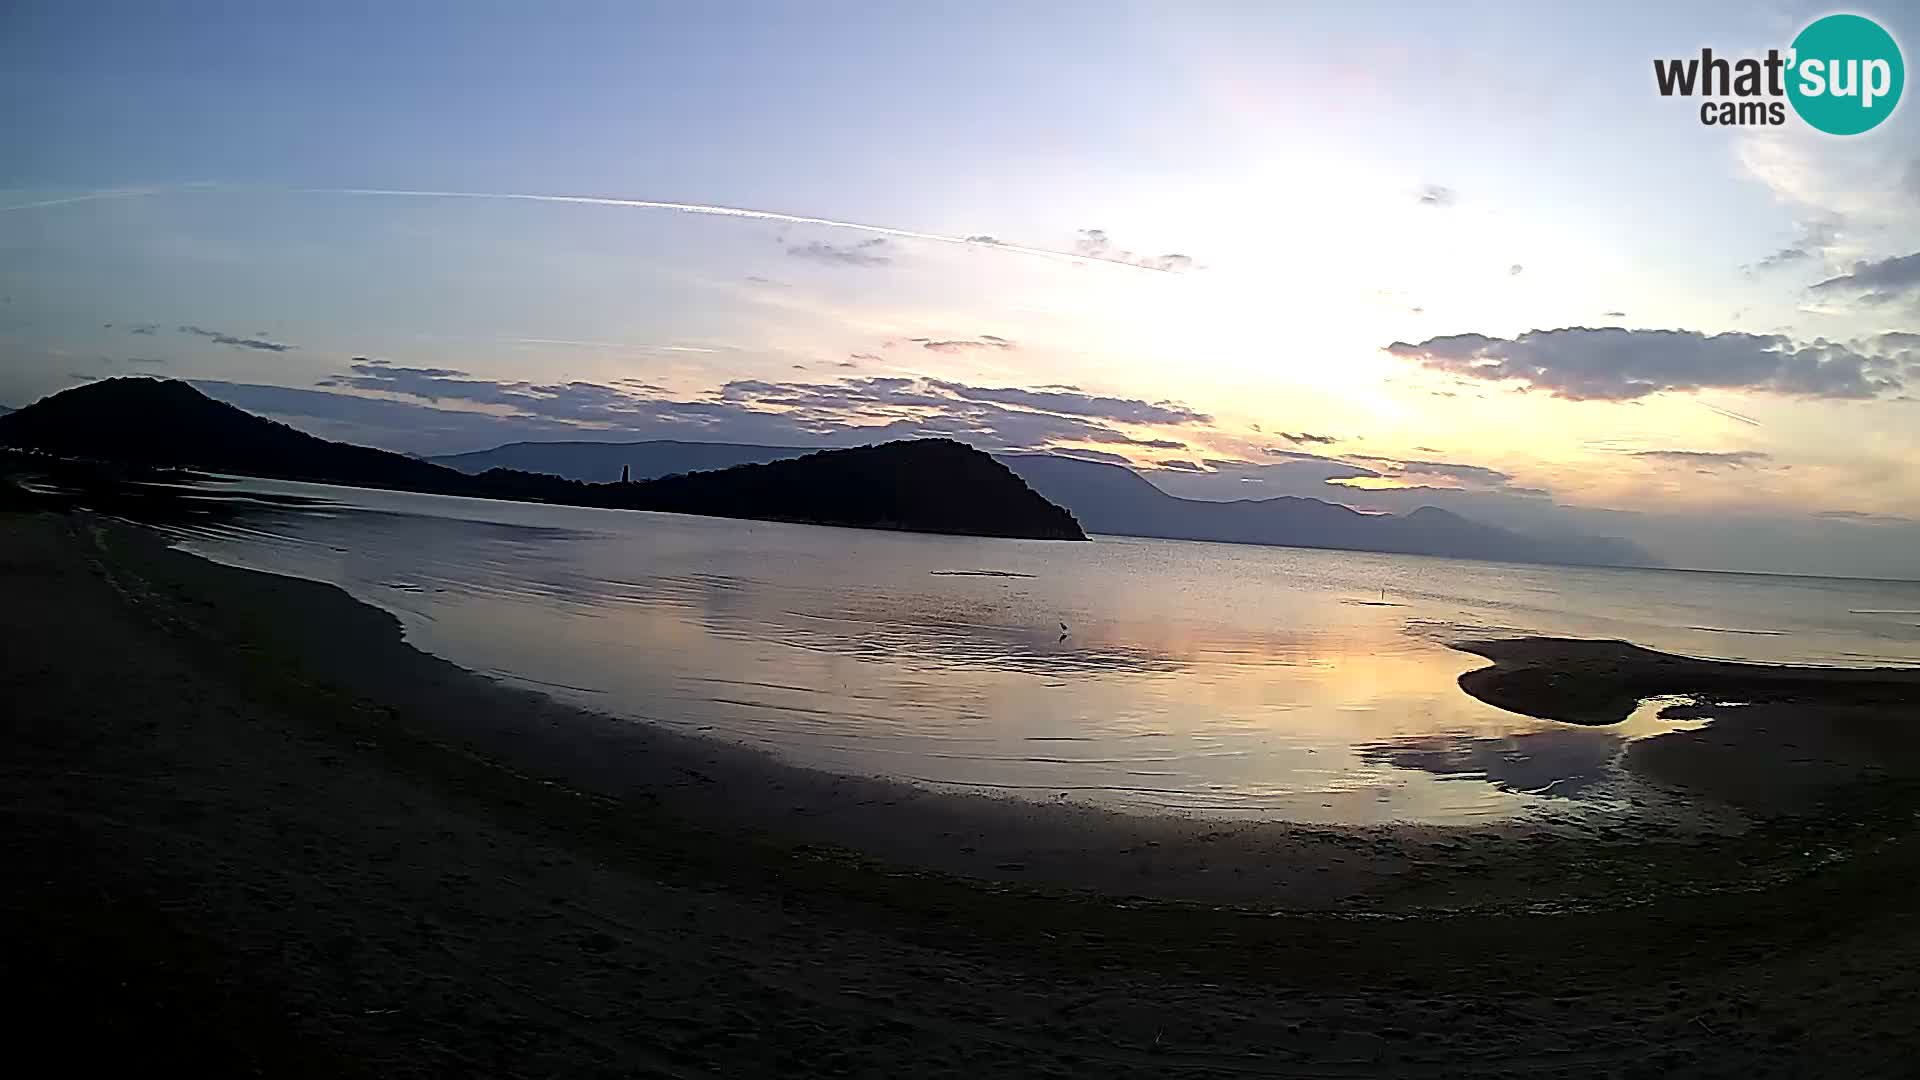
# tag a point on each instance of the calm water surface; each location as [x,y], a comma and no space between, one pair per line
[1139,674]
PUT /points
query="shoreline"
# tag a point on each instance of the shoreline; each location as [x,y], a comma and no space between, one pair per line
[358,649]
[1781,738]
[248,819]
[1003,839]
[1595,683]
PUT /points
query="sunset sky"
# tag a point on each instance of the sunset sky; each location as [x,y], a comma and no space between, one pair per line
[1377,254]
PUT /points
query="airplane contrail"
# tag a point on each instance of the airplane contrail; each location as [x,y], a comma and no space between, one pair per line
[91,197]
[676,207]
[743,212]
[1728,413]
[611,344]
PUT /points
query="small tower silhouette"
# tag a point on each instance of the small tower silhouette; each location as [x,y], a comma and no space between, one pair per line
[626,477]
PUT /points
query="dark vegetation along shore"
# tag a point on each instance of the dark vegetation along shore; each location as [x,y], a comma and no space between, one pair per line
[921,485]
[251,831]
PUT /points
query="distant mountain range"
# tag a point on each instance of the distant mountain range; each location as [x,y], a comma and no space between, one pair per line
[926,485]
[1113,499]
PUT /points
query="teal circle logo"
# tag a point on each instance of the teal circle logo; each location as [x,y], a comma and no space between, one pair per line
[1846,74]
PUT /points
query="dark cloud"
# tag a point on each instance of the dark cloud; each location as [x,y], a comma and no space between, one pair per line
[569,401]
[1096,455]
[1815,237]
[1783,257]
[1093,243]
[1861,517]
[1877,282]
[981,240]
[1898,355]
[430,372]
[147,329]
[1171,263]
[869,252]
[1515,270]
[1179,465]
[996,418]
[1096,244]
[1416,471]
[1730,459]
[984,341]
[1614,314]
[1475,475]
[219,338]
[1300,472]
[1411,482]
[1298,437]
[396,425]
[1616,364]
[1301,455]
[1075,403]
[896,407]
[1436,195]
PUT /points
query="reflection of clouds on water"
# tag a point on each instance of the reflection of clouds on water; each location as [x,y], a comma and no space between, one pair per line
[957,643]
[1208,678]
[505,560]
[1559,762]
[474,558]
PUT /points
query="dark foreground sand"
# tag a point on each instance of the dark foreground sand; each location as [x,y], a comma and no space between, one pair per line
[248,830]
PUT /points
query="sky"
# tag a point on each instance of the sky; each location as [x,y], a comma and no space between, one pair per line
[1387,255]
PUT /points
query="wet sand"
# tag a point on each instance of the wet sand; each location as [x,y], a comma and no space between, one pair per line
[1578,681]
[1783,739]
[250,829]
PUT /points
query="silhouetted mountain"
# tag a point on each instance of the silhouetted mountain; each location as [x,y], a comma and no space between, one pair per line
[599,462]
[928,485]
[924,485]
[167,422]
[1116,500]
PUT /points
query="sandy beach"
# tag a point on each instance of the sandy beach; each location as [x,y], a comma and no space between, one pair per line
[251,831]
